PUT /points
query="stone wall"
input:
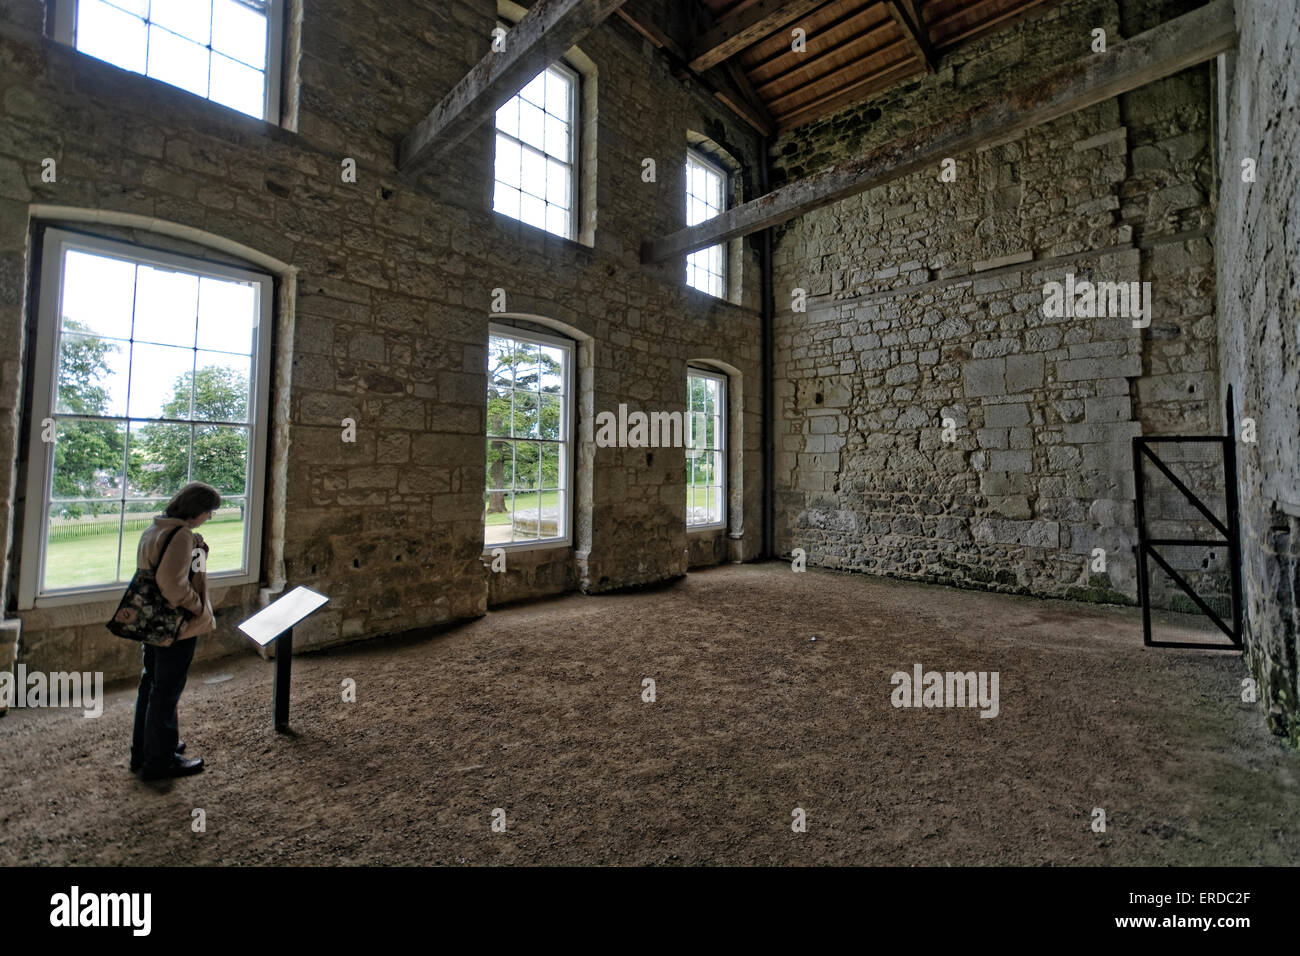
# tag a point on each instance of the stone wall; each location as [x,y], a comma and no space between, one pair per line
[926,303]
[384,288]
[1258,244]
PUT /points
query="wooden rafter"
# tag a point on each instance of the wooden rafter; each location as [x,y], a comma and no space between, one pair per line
[732,34]
[1159,52]
[851,92]
[850,74]
[907,17]
[863,40]
[752,99]
[546,31]
[938,30]
[732,89]
[652,32]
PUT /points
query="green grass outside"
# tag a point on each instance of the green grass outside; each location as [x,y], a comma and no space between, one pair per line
[698,497]
[91,560]
[550,499]
[701,496]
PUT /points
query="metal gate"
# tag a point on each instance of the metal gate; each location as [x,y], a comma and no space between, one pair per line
[1148,546]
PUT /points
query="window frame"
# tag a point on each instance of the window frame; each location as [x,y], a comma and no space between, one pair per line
[696,155]
[40,454]
[65,32]
[694,371]
[575,150]
[567,406]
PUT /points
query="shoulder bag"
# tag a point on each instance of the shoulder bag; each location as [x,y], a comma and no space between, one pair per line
[144,614]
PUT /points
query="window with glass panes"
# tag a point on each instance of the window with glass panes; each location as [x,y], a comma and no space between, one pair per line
[535,150]
[152,373]
[706,189]
[706,452]
[526,499]
[227,51]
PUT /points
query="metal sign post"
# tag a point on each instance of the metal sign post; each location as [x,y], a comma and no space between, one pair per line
[280,694]
[274,624]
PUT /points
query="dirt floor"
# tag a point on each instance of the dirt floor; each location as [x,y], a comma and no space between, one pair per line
[538,710]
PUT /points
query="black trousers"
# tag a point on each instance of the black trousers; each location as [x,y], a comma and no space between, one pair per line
[161,683]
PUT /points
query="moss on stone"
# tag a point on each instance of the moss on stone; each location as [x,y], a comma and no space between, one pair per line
[1096,595]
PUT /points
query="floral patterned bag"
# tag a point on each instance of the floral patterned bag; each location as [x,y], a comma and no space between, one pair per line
[144,614]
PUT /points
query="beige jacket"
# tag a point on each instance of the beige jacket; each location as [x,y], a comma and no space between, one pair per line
[181,588]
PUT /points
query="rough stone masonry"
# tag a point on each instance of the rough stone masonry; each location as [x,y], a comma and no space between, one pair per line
[1257,241]
[927,306]
[932,422]
[384,289]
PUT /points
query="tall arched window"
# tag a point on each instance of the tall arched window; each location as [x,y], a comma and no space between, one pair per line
[152,370]
[706,452]
[527,499]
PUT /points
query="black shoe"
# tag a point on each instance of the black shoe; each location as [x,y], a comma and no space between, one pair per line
[179,767]
[135,765]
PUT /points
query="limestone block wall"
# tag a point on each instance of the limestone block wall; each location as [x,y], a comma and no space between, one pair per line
[383,295]
[926,304]
[1258,244]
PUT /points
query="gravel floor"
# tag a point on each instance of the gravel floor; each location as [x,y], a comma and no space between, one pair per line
[537,710]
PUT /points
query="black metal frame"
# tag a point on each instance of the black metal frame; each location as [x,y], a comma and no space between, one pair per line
[1230,540]
[280,690]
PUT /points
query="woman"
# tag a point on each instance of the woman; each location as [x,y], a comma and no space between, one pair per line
[182,579]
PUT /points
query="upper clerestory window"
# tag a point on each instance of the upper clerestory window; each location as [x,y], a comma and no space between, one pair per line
[536,153]
[706,197]
[227,51]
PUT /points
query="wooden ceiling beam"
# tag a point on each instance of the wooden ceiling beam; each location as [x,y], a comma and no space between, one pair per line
[539,39]
[652,32]
[733,34]
[1003,20]
[852,92]
[806,66]
[845,77]
[721,83]
[906,17]
[1172,46]
[853,25]
[752,100]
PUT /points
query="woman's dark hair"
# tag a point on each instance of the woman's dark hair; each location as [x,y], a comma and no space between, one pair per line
[192,500]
